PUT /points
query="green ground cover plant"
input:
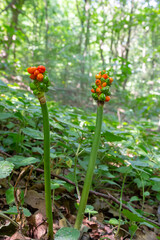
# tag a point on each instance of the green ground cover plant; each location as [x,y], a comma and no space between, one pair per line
[131,148]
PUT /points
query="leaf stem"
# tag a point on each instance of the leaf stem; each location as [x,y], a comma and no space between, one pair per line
[47,172]
[91,166]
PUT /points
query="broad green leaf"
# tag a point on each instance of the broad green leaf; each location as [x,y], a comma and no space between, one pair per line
[156,187]
[35,134]
[10,195]
[134,198]
[158,196]
[67,233]
[110,182]
[55,185]
[131,216]
[147,224]
[139,163]
[20,161]
[133,228]
[5,168]
[155,179]
[90,209]
[4,116]
[68,186]
[13,210]
[127,169]
[113,221]
[111,137]
[103,168]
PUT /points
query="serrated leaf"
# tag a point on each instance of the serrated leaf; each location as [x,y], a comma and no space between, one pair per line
[4,116]
[13,210]
[5,168]
[67,234]
[20,161]
[111,137]
[35,134]
[131,216]
[113,221]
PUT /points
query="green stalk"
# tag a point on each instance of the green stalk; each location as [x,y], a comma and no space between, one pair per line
[47,173]
[91,166]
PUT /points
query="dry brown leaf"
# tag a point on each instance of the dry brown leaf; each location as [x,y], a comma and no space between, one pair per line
[147,235]
[100,217]
[19,236]
[38,225]
[99,204]
[62,222]
[36,200]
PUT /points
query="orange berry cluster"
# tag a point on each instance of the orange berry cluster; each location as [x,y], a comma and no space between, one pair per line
[36,72]
[41,81]
[101,89]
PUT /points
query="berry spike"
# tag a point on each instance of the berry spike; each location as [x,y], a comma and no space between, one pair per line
[101,88]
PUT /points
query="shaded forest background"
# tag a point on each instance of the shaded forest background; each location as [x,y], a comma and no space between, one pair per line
[76,39]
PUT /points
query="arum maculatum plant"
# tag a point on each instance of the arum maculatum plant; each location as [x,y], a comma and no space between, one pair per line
[101,93]
[39,86]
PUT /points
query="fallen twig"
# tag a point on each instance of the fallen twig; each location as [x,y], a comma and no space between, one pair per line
[106,196]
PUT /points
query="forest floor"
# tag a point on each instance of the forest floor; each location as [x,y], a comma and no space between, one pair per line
[64,212]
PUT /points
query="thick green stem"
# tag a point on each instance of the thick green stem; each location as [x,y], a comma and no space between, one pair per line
[47,173]
[91,166]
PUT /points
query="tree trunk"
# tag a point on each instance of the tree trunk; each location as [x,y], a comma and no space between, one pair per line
[15,7]
[128,40]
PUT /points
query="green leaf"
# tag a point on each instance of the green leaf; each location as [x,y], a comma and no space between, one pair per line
[127,169]
[113,221]
[111,137]
[155,179]
[134,198]
[110,182]
[146,194]
[133,228]
[90,209]
[156,187]
[103,168]
[5,168]
[4,116]
[20,161]
[67,234]
[13,210]
[35,134]
[131,216]
[55,185]
[10,195]
[158,196]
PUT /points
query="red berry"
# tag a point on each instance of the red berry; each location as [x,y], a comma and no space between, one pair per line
[111,80]
[31,69]
[32,76]
[105,76]
[98,90]
[41,69]
[98,82]
[40,77]
[107,99]
[98,76]
[36,73]
[92,90]
[104,84]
